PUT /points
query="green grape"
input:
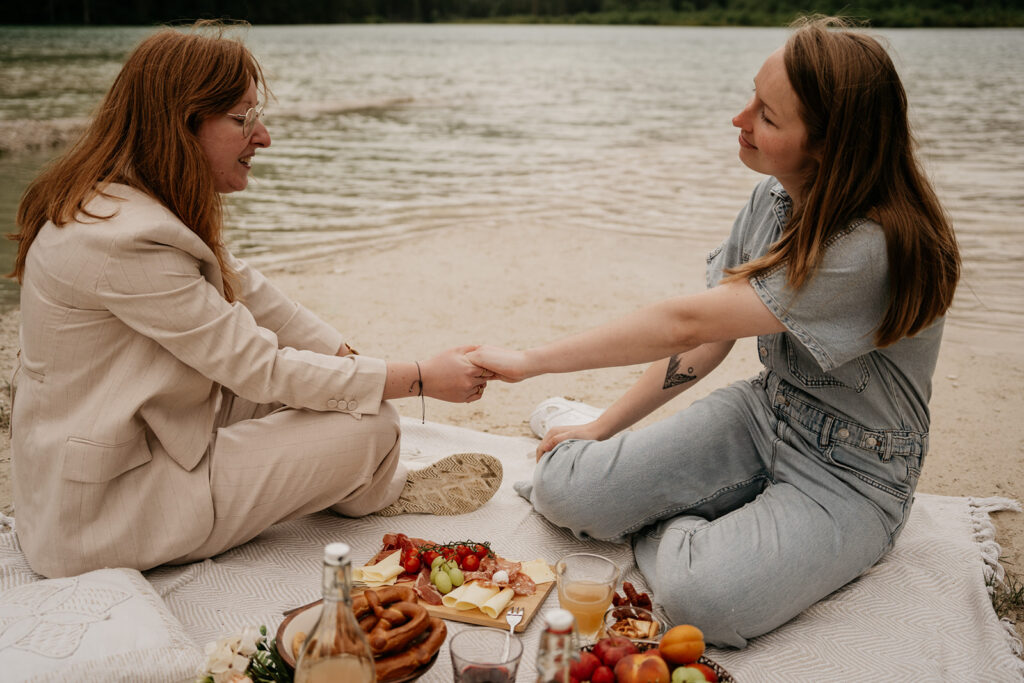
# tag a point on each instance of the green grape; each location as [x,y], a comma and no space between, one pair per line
[455,574]
[443,583]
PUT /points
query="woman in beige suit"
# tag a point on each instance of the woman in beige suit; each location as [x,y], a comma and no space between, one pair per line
[172,403]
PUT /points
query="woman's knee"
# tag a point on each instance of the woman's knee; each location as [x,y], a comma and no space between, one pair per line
[565,495]
[692,599]
[386,430]
[389,416]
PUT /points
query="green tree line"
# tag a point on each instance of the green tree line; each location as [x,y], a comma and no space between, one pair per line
[673,12]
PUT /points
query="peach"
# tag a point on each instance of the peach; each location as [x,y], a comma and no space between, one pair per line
[645,667]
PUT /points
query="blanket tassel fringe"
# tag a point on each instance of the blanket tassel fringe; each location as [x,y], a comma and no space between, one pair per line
[995,575]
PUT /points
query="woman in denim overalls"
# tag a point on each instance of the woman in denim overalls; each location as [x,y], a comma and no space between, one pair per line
[759,500]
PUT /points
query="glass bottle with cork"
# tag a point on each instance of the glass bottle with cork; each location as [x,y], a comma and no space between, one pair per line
[337,649]
[558,647]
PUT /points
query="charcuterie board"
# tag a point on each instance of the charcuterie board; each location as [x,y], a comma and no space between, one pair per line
[530,604]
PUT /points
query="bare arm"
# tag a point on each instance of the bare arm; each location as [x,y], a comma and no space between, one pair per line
[660,383]
[727,312]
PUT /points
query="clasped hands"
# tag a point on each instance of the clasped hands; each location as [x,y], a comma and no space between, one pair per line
[460,374]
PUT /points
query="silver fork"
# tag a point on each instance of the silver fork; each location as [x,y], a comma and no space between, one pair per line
[513,616]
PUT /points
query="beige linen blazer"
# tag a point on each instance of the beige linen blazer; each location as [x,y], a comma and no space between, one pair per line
[126,342]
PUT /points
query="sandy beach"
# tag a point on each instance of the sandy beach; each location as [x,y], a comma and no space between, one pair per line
[525,283]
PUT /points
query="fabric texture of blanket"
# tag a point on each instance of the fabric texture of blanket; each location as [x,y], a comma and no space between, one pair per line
[924,613]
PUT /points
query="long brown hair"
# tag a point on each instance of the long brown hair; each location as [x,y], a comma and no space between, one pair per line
[145,135]
[855,110]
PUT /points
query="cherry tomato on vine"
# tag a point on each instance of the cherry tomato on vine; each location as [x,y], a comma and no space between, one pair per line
[411,565]
[428,557]
[462,550]
[449,553]
[470,563]
[481,551]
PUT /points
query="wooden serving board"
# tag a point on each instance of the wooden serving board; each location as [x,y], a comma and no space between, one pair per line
[529,603]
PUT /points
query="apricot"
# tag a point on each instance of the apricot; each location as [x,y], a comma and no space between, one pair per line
[682,644]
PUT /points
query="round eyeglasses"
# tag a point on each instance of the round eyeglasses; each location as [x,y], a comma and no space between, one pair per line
[248,119]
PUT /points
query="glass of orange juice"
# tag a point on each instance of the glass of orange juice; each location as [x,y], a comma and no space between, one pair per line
[586,583]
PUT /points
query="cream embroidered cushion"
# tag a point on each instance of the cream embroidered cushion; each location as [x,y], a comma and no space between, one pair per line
[106,625]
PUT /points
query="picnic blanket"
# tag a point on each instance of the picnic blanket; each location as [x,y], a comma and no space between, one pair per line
[924,613]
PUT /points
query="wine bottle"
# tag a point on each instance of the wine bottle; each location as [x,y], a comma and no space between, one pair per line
[336,649]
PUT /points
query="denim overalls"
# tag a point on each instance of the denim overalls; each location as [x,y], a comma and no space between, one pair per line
[759,500]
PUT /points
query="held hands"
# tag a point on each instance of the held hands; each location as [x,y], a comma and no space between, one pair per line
[450,376]
[504,364]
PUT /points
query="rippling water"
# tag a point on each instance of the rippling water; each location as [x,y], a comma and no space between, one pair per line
[388,130]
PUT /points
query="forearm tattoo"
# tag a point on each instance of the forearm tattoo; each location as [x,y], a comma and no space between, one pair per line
[674,378]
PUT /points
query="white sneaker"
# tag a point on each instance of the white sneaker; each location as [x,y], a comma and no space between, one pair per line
[559,412]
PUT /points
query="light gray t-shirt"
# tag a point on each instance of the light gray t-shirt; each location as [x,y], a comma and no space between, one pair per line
[828,348]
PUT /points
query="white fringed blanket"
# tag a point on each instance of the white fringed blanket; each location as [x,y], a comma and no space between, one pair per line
[922,614]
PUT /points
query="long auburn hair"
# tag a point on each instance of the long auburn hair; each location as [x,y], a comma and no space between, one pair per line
[855,110]
[145,135]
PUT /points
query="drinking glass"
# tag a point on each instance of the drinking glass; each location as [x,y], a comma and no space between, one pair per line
[586,584]
[477,656]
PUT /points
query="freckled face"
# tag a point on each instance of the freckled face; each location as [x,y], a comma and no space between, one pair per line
[773,137]
[228,151]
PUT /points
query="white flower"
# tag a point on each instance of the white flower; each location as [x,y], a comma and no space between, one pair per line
[219,655]
[248,640]
[227,659]
[235,673]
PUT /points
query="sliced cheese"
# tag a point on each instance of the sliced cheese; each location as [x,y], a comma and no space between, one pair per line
[538,570]
[469,596]
[497,604]
[475,595]
[384,573]
[452,598]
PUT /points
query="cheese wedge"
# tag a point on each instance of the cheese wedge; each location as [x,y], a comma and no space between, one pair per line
[538,570]
[497,604]
[470,595]
[384,573]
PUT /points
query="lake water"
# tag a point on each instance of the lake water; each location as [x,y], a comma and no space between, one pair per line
[387,130]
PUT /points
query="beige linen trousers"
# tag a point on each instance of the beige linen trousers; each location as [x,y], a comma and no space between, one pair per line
[155,422]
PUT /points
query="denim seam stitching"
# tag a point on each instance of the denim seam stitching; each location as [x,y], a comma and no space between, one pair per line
[871,481]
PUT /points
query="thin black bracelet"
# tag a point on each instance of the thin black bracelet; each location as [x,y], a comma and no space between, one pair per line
[423,401]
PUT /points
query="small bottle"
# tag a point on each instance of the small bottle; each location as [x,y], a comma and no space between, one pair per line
[336,649]
[558,647]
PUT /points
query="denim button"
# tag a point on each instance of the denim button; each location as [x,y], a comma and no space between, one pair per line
[763,351]
[843,433]
[871,441]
